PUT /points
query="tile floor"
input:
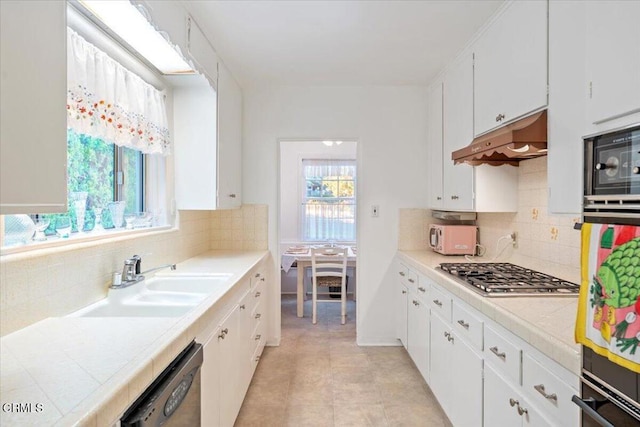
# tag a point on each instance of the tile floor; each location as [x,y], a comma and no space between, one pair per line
[318,376]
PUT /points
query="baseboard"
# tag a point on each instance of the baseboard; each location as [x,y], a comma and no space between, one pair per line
[378,342]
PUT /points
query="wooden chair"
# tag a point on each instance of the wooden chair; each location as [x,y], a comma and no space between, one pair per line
[329,270]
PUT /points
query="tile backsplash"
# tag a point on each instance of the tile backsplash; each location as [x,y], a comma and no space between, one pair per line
[544,241]
[50,282]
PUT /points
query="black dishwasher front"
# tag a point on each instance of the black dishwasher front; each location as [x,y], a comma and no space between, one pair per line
[173,399]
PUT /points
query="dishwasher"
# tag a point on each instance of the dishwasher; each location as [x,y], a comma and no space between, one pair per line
[173,399]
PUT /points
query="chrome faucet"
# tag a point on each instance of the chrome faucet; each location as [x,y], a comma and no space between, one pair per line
[131,273]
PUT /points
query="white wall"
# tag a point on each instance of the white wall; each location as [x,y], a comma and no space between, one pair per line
[390,127]
[291,155]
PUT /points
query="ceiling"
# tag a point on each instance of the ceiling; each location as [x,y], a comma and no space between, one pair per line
[339,42]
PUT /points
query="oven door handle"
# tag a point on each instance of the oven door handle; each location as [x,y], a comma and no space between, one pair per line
[590,406]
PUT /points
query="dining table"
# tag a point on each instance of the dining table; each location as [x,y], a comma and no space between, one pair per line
[301,257]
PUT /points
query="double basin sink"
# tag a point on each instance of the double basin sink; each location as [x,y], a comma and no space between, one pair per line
[160,296]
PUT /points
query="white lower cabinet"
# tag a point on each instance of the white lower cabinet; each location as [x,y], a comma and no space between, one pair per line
[418,331]
[456,374]
[480,372]
[505,404]
[232,352]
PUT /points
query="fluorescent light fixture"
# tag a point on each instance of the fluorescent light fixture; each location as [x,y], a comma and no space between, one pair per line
[330,143]
[129,23]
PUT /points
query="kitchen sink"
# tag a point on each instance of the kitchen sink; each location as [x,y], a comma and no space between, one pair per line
[189,284]
[105,309]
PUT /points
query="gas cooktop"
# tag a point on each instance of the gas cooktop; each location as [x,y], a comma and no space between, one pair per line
[503,279]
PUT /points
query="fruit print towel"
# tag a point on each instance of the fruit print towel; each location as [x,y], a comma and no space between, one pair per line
[609,306]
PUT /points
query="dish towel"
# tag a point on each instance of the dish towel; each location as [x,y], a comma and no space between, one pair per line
[609,306]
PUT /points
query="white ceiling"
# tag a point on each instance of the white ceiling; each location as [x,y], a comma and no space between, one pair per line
[339,42]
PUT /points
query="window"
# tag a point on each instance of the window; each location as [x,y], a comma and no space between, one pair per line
[117,135]
[329,200]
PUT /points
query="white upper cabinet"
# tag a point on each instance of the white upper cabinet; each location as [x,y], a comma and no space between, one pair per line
[33,119]
[229,140]
[510,70]
[458,133]
[434,144]
[450,127]
[567,97]
[201,51]
[195,144]
[613,62]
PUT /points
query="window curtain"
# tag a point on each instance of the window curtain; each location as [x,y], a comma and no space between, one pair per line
[107,101]
[325,214]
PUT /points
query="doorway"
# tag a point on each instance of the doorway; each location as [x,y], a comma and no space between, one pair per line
[318,201]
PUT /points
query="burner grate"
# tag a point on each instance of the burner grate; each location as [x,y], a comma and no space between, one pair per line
[509,279]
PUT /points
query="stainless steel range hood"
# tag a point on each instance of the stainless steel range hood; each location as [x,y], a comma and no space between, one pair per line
[521,140]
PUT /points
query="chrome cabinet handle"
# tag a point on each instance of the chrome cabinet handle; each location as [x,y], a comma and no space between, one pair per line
[411,281]
[242,307]
[257,358]
[454,197]
[450,338]
[438,198]
[257,294]
[464,325]
[257,338]
[401,273]
[262,279]
[258,315]
[421,289]
[232,195]
[513,402]
[223,333]
[499,117]
[447,335]
[404,292]
[502,355]
[540,389]
[522,411]
[437,302]
[416,303]
[257,275]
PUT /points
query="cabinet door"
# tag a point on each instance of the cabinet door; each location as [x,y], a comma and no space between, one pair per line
[498,397]
[466,382]
[613,59]
[418,334]
[195,128]
[434,143]
[231,368]
[440,369]
[33,84]
[566,105]
[210,381]
[510,69]
[245,339]
[229,140]
[458,133]
[402,311]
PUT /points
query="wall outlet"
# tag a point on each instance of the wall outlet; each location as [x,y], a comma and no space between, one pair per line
[375,211]
[514,239]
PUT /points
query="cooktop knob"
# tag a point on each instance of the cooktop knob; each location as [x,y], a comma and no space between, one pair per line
[601,166]
[636,170]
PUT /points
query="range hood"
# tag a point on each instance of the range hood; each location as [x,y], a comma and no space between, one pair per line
[521,140]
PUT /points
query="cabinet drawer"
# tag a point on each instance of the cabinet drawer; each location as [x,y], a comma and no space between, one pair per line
[257,278]
[440,302]
[468,325]
[548,392]
[503,354]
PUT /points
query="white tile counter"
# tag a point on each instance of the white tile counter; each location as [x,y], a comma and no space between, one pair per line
[547,323]
[87,370]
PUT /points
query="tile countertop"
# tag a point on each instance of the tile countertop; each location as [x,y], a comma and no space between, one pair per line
[547,323]
[86,371]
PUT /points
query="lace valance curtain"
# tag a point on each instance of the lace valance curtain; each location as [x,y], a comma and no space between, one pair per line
[107,101]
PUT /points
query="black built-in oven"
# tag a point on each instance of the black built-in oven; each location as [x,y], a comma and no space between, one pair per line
[610,392]
[612,177]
